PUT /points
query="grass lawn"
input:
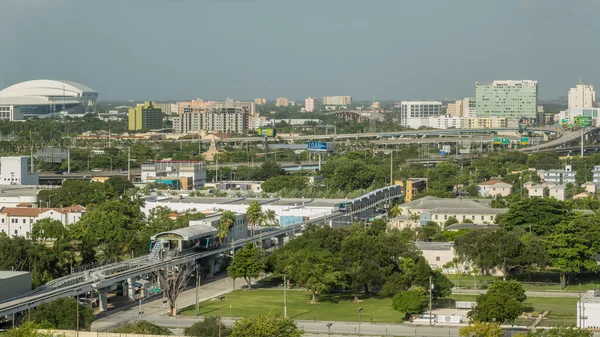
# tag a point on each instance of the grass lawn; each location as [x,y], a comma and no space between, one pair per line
[467,282]
[331,307]
[563,307]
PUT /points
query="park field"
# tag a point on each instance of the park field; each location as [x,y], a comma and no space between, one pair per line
[339,307]
[558,306]
[331,307]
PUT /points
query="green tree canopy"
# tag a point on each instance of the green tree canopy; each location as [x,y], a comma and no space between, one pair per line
[247,263]
[481,329]
[266,326]
[538,214]
[208,327]
[61,314]
[143,328]
[496,307]
[412,301]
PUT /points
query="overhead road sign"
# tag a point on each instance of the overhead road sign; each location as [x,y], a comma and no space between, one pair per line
[320,147]
[266,132]
[583,121]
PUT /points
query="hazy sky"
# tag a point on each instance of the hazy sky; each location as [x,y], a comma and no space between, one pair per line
[382,49]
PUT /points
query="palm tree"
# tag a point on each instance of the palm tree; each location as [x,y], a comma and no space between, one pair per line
[270,218]
[395,211]
[225,224]
[498,202]
[254,214]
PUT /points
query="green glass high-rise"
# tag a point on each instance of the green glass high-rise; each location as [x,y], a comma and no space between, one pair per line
[508,99]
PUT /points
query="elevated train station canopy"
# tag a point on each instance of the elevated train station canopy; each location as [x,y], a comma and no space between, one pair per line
[190,233]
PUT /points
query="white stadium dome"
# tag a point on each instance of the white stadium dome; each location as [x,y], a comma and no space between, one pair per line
[40,97]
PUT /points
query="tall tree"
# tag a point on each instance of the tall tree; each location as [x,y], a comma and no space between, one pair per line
[539,215]
[412,301]
[254,214]
[573,244]
[247,263]
[317,272]
[173,281]
[225,223]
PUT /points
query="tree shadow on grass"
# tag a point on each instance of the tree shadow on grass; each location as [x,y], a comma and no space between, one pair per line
[207,311]
[302,313]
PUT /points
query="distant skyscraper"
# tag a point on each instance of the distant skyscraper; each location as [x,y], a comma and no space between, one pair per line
[260,101]
[337,100]
[582,96]
[510,99]
[410,110]
[145,117]
[311,104]
[282,101]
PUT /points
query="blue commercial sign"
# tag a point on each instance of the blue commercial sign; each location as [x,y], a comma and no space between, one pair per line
[317,146]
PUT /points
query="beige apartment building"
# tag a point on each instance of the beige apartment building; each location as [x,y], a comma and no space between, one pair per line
[260,101]
[282,101]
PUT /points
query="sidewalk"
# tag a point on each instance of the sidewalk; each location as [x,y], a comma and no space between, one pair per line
[528,293]
[154,308]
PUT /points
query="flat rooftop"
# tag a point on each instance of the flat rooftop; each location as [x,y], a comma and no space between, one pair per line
[4,274]
[590,297]
[263,201]
[18,191]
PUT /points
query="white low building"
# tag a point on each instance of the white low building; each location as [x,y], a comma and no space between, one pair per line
[494,188]
[289,211]
[558,192]
[588,310]
[239,228]
[558,176]
[18,221]
[538,190]
[590,187]
[441,209]
[15,171]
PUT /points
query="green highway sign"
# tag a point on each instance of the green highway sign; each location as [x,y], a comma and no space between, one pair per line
[583,121]
[505,141]
[497,141]
[524,140]
[266,132]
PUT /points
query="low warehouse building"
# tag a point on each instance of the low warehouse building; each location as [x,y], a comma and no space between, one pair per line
[14,283]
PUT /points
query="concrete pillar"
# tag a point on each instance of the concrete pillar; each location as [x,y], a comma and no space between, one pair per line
[103,301]
[280,241]
[130,289]
[210,261]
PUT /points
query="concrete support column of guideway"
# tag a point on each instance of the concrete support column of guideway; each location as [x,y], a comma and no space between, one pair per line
[130,289]
[210,262]
[103,300]
[280,241]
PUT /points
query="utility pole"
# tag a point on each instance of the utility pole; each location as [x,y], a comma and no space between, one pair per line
[284,297]
[221,314]
[68,160]
[129,163]
[392,167]
[197,289]
[77,313]
[430,293]
[582,141]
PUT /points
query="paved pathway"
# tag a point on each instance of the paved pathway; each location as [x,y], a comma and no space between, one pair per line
[528,293]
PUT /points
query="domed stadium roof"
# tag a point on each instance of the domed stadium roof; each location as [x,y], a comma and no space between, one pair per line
[47,88]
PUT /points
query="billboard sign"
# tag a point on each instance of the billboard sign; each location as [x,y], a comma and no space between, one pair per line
[583,121]
[266,132]
[320,147]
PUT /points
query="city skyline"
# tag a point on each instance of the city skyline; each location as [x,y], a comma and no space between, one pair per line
[370,50]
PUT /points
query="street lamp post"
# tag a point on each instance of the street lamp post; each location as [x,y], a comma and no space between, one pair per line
[329,329]
[77,313]
[221,298]
[359,310]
